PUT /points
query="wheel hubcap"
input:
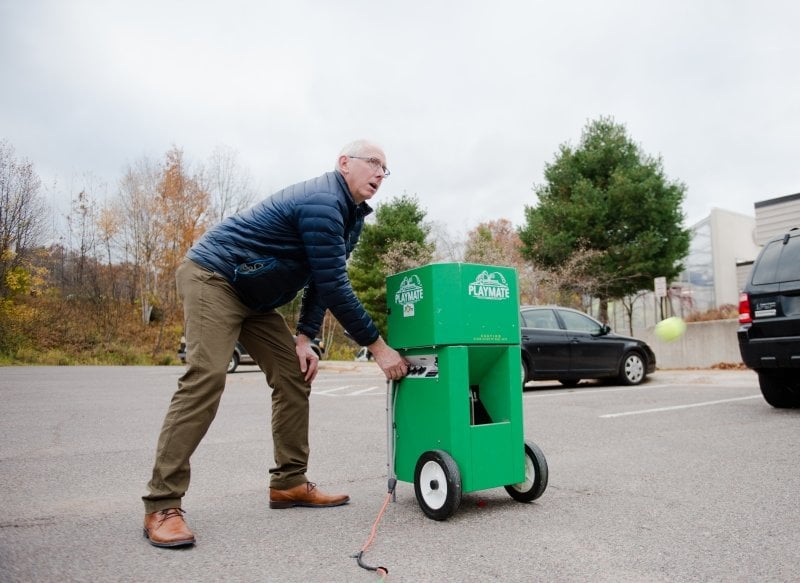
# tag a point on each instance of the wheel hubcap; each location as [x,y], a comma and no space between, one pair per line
[433,485]
[530,476]
[634,369]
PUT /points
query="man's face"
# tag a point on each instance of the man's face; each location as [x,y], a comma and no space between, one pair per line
[364,174]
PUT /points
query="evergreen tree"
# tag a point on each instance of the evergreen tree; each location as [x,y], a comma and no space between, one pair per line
[398,225]
[608,196]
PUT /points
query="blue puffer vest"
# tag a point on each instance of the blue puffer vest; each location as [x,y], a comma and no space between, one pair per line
[297,239]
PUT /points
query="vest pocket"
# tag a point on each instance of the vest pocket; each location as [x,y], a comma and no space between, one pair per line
[267,283]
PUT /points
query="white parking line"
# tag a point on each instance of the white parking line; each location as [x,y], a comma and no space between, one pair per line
[676,407]
[334,392]
[329,391]
[362,391]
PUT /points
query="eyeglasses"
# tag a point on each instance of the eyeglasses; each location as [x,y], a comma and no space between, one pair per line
[375,163]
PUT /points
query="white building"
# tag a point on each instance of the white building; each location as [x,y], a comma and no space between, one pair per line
[776,216]
[722,249]
[720,242]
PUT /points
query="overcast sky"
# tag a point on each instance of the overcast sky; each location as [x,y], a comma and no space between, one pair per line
[469,99]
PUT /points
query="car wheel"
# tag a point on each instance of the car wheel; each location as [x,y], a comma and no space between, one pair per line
[779,390]
[569,382]
[437,484]
[536,475]
[233,363]
[525,373]
[633,369]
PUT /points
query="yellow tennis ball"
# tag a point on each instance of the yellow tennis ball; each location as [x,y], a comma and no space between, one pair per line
[670,329]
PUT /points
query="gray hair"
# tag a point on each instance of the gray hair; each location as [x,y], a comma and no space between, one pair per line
[357,148]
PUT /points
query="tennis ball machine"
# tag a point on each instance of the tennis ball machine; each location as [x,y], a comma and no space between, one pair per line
[455,421]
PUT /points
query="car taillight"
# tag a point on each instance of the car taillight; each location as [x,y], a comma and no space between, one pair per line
[744,309]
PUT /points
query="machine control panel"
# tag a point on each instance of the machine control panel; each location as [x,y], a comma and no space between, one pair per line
[424,366]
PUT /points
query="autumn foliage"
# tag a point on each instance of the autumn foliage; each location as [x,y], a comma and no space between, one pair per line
[104,292]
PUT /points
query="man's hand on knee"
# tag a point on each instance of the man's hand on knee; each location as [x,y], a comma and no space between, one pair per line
[309,361]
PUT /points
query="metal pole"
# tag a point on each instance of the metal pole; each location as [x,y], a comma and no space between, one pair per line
[390,389]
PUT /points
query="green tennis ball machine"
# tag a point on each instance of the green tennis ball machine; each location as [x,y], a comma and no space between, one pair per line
[455,421]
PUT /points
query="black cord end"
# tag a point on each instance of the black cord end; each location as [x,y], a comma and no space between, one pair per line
[362,564]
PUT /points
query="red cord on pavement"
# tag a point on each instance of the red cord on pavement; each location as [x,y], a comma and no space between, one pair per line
[382,571]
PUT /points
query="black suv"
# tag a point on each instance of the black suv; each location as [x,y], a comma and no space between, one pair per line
[769,314]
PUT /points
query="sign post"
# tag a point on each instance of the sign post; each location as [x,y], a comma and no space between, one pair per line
[660,287]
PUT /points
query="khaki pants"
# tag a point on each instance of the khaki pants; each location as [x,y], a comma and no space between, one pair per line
[213,320]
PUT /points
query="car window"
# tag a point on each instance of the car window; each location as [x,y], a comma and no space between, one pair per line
[579,322]
[789,266]
[543,319]
[778,262]
[767,265]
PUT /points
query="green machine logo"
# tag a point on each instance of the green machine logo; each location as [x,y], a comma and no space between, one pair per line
[409,293]
[489,286]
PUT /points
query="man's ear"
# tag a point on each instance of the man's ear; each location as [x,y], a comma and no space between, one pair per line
[344,162]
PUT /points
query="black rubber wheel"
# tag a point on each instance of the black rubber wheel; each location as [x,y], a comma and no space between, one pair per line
[233,363]
[632,371]
[781,390]
[569,383]
[525,372]
[437,484]
[535,482]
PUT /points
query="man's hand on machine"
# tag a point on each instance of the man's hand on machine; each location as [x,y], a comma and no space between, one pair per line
[393,365]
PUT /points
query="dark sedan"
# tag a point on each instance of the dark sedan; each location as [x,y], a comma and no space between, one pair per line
[567,345]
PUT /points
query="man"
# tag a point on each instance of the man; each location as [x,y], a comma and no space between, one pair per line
[230,283]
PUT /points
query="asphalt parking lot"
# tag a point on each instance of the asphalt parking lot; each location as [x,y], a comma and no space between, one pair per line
[689,477]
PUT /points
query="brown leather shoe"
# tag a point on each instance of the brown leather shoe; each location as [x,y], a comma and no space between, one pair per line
[304,495]
[167,528]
